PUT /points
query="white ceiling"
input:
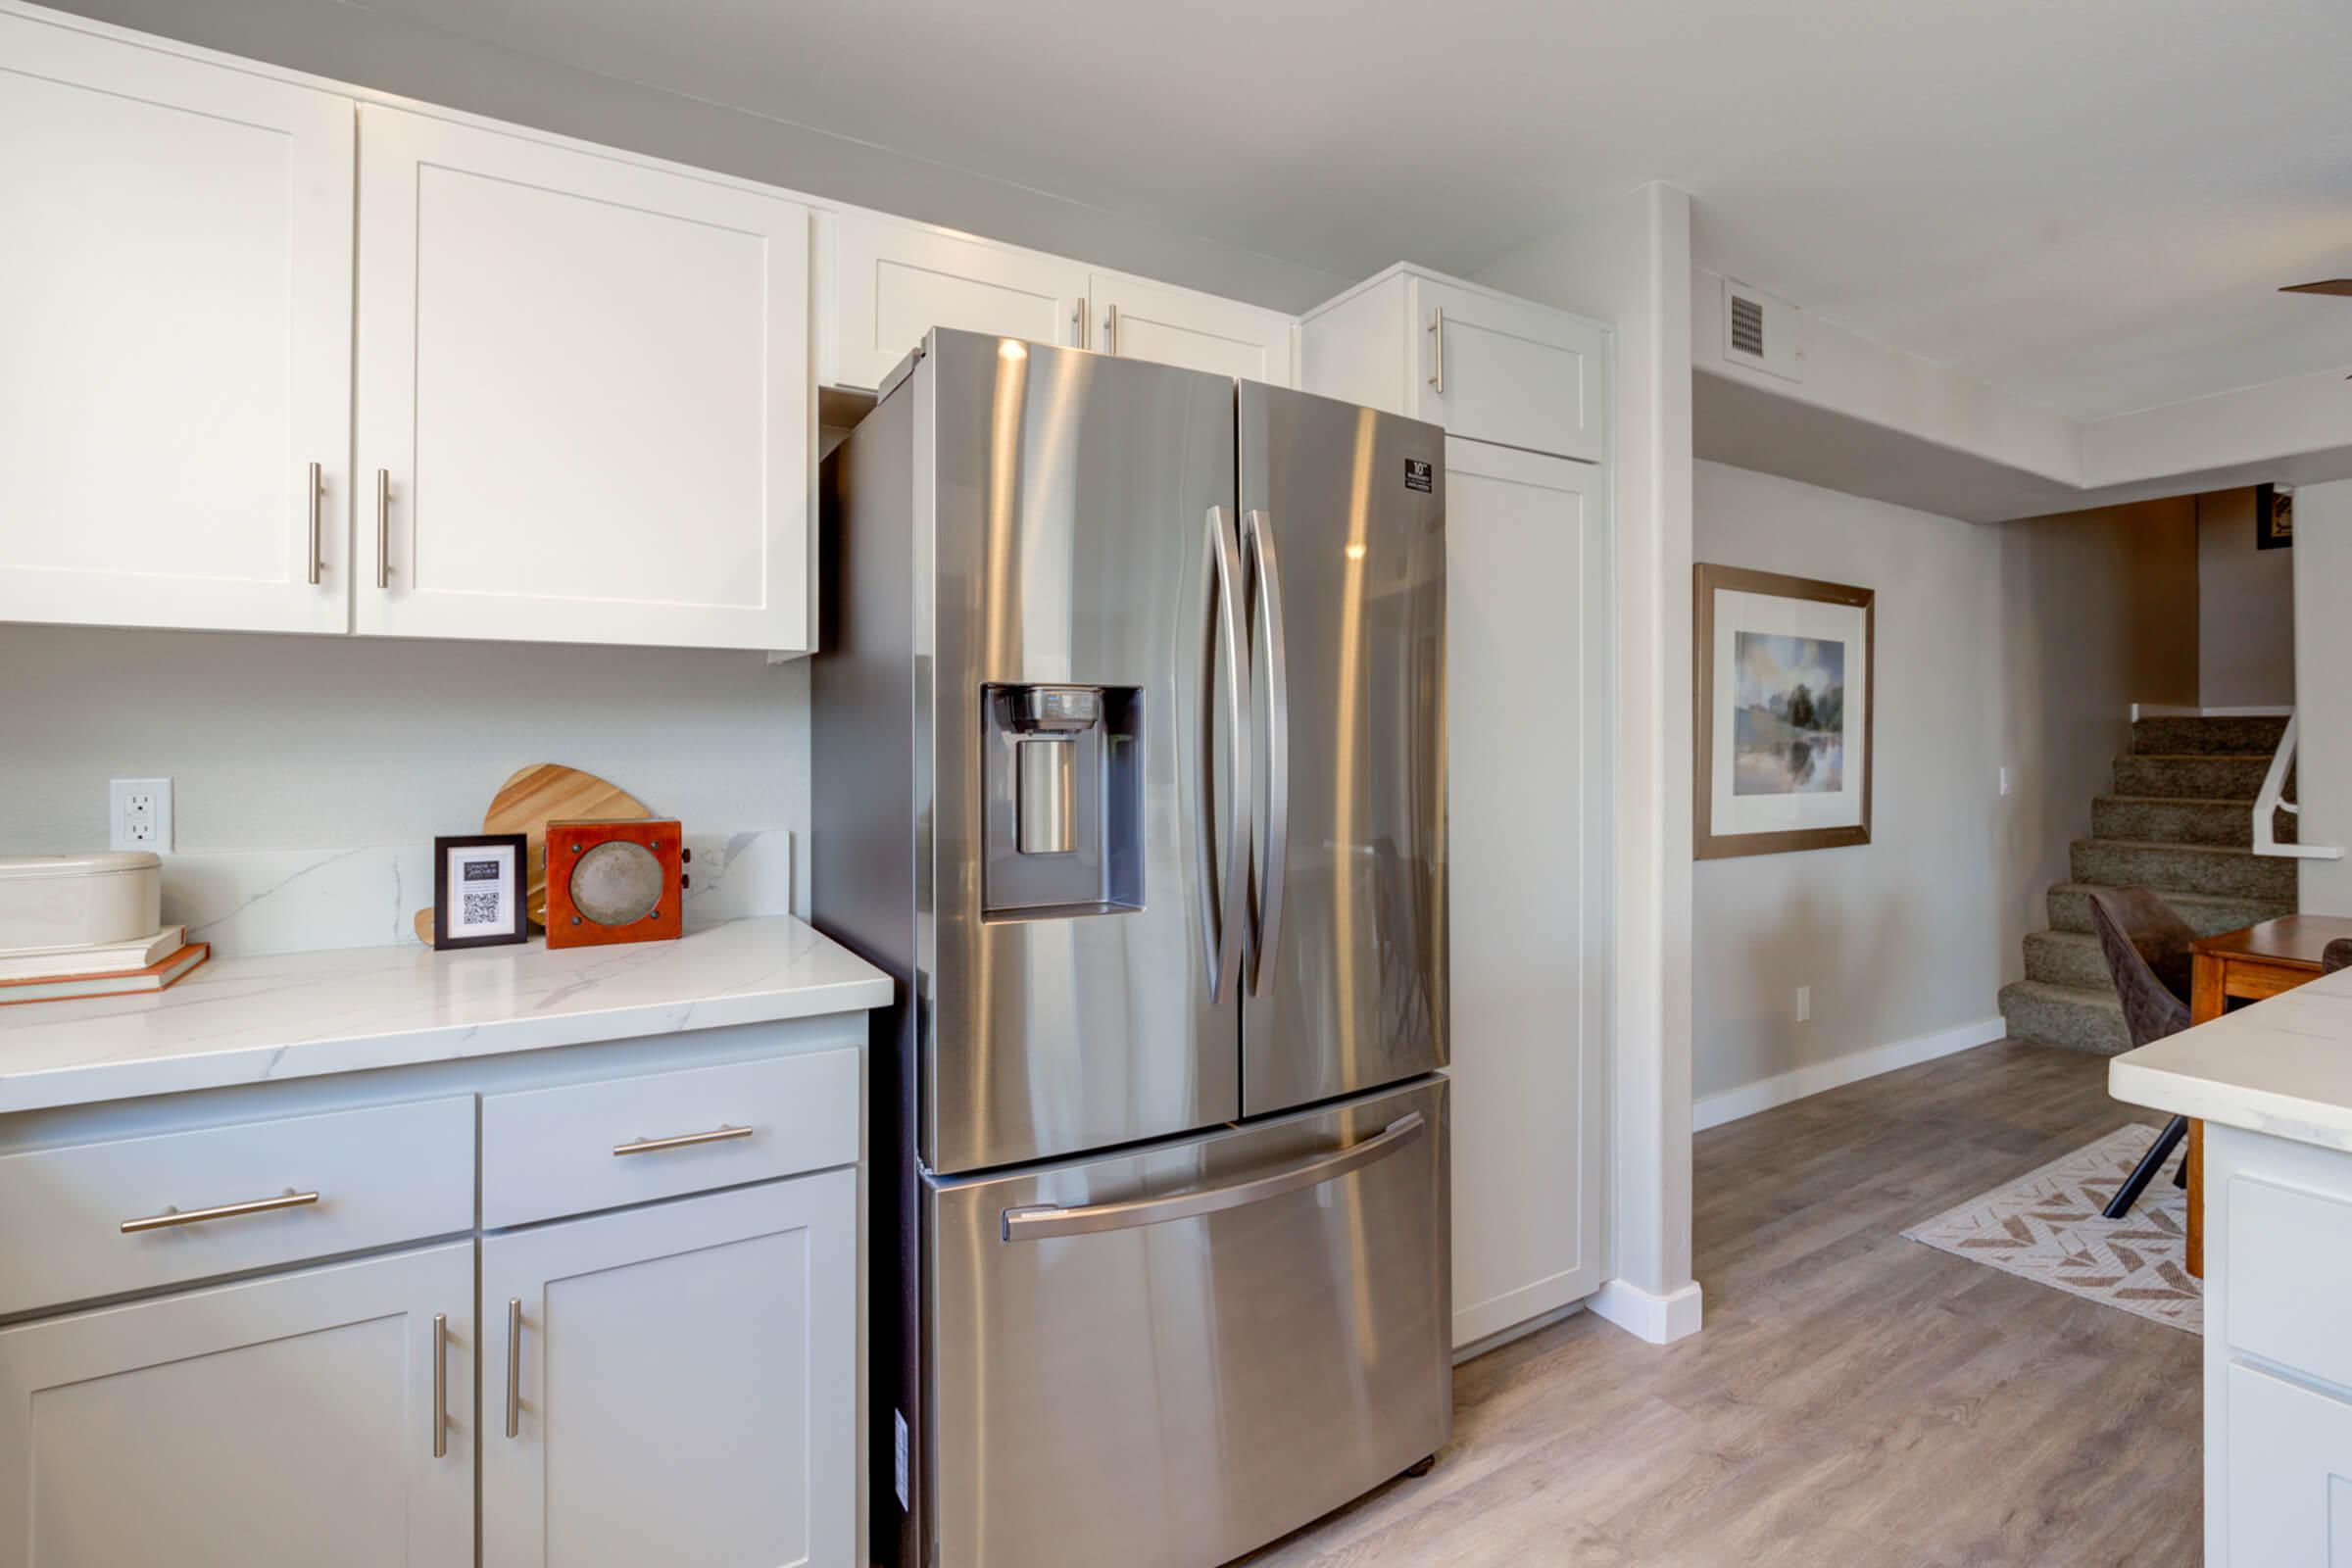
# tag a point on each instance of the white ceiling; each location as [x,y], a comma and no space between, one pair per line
[2088,203]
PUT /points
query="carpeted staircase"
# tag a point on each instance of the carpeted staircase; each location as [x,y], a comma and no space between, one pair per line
[2181,821]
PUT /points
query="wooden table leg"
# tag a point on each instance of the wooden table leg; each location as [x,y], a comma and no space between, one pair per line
[2208,999]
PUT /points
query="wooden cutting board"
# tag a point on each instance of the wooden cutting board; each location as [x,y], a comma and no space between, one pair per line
[526,803]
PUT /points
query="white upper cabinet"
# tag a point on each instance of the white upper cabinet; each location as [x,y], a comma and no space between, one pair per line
[175,339]
[896,281]
[1141,320]
[585,396]
[1485,366]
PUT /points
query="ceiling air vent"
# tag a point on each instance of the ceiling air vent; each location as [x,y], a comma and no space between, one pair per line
[1747,325]
[1759,332]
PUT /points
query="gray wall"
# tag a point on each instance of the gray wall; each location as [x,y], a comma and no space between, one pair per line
[369,48]
[2020,644]
[294,742]
[2245,608]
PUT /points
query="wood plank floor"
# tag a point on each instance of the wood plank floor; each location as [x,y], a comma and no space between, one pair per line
[1855,1400]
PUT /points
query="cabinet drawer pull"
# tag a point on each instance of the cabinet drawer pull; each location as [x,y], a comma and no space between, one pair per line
[1436,349]
[383,527]
[318,487]
[196,1217]
[514,1366]
[1110,330]
[648,1146]
[440,1384]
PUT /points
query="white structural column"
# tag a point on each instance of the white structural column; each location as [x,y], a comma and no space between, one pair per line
[2322,697]
[1629,264]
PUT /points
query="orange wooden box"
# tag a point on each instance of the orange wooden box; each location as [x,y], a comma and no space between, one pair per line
[579,910]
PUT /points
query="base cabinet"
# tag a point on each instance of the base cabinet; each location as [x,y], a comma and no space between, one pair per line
[665,1385]
[281,1423]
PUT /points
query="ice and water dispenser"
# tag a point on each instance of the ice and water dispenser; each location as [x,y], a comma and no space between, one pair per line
[1061,792]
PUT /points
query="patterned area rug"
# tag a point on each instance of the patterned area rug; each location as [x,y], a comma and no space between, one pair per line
[2046,1226]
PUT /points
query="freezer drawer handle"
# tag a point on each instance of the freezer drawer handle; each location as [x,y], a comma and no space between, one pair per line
[1042,1221]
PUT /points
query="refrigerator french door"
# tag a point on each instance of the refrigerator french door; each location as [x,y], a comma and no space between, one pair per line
[1128,762]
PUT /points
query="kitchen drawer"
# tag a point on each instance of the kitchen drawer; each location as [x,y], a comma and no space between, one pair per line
[386,1174]
[2284,1272]
[586,1147]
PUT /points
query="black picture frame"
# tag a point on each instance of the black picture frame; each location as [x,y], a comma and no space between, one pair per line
[2274,519]
[513,884]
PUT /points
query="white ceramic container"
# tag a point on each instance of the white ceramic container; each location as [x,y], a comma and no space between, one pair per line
[79,901]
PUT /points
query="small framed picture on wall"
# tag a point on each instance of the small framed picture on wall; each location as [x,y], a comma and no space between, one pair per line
[1782,669]
[478,891]
[2274,518]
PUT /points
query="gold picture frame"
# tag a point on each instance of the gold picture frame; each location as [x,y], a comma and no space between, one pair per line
[1785,787]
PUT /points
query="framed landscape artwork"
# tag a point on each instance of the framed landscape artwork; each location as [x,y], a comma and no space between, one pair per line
[1782,674]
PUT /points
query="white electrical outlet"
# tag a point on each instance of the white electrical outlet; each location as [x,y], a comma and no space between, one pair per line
[139,815]
[2004,780]
[1804,1003]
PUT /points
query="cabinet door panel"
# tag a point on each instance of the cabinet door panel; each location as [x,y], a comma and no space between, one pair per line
[587,385]
[175,338]
[1527,781]
[687,1384]
[1515,374]
[282,1423]
[900,280]
[2290,1473]
[1140,321]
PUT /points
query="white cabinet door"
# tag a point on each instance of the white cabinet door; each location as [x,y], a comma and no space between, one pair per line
[1527,739]
[1502,371]
[897,281]
[687,1384]
[1141,321]
[175,339]
[2290,1473]
[585,394]
[283,1423]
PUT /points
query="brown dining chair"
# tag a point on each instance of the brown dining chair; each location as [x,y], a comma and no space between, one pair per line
[2337,954]
[2149,954]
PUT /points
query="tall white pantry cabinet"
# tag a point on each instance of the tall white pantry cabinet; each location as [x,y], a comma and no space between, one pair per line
[1522,393]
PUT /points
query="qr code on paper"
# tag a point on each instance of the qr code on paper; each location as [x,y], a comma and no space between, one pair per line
[481,907]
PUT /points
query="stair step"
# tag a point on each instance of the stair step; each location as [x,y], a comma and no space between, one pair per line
[2207,737]
[2228,825]
[2183,867]
[2207,914]
[2067,958]
[2073,1018]
[2203,778]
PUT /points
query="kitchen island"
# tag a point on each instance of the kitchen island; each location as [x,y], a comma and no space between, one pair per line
[2273,1084]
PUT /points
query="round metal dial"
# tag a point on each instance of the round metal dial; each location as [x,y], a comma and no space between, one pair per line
[616,883]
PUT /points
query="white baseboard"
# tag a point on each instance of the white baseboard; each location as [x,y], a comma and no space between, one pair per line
[2141,711]
[1659,1319]
[1749,1099]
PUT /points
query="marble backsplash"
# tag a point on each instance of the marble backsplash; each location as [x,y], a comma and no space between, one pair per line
[252,902]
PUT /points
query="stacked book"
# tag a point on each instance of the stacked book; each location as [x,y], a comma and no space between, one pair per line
[109,969]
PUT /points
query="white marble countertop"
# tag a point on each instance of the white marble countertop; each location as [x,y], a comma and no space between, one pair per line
[302,1015]
[2281,1066]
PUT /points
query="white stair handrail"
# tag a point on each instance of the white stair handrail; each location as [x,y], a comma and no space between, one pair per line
[2270,801]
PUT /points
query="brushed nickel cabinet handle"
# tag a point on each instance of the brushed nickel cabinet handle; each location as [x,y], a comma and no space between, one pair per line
[383,527]
[318,485]
[1437,353]
[648,1146]
[514,1366]
[197,1217]
[1110,330]
[440,1384]
[1081,317]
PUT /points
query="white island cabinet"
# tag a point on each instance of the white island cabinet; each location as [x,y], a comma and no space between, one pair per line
[2273,1084]
[402,1265]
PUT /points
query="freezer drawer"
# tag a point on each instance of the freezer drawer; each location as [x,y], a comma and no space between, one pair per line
[1164,1358]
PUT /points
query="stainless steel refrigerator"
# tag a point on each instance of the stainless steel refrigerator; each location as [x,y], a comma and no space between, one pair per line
[1129,765]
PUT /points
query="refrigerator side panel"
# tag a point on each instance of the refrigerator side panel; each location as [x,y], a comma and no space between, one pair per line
[862,874]
[1075,502]
[1344,533]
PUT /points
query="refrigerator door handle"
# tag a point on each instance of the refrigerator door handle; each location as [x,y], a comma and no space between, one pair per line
[1221,923]
[1267,572]
[1038,1222]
